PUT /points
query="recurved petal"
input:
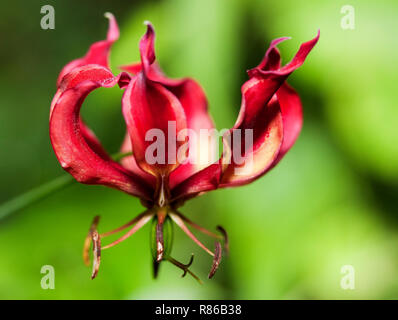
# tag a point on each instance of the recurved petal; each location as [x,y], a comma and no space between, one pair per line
[270,63]
[292,115]
[194,102]
[262,112]
[195,106]
[205,180]
[98,52]
[242,161]
[288,99]
[254,141]
[79,75]
[76,154]
[154,117]
[272,59]
[147,47]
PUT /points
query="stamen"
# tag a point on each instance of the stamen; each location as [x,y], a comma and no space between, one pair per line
[159,240]
[184,228]
[97,253]
[140,223]
[128,224]
[185,267]
[216,260]
[88,240]
[198,227]
[225,237]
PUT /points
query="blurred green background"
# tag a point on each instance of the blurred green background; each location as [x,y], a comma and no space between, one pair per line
[331,202]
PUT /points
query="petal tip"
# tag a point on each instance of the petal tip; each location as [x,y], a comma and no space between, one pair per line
[146,45]
[149,25]
[113,30]
[109,15]
[318,34]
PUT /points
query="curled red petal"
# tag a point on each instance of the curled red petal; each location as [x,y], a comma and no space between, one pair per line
[272,59]
[194,102]
[292,115]
[74,152]
[265,69]
[261,112]
[147,50]
[288,99]
[72,79]
[152,112]
[205,180]
[267,133]
[79,75]
[195,106]
[98,52]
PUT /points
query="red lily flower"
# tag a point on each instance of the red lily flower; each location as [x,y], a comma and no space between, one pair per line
[271,115]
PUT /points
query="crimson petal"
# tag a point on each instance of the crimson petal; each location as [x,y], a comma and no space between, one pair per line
[98,53]
[292,115]
[148,105]
[72,148]
[261,111]
[79,75]
[205,180]
[193,101]
[267,134]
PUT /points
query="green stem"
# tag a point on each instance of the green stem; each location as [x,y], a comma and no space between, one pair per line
[39,193]
[34,195]
[120,155]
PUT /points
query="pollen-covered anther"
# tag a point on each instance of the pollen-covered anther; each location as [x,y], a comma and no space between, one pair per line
[225,238]
[96,252]
[89,240]
[216,259]
[95,238]
[159,242]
